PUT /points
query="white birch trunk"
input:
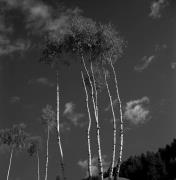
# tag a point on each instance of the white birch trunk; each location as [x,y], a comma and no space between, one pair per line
[97,124]
[100,166]
[38,166]
[114,129]
[47,144]
[88,129]
[58,130]
[10,162]
[121,125]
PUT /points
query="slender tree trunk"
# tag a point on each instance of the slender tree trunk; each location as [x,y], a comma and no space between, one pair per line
[88,129]
[10,162]
[47,145]
[114,129]
[97,123]
[38,165]
[100,166]
[117,171]
[58,130]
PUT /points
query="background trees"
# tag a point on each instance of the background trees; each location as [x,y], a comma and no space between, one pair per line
[15,139]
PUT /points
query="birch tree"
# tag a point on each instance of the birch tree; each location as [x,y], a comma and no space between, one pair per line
[15,139]
[114,46]
[53,56]
[96,46]
[49,118]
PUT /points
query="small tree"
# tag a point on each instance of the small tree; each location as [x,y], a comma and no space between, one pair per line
[33,148]
[49,119]
[15,138]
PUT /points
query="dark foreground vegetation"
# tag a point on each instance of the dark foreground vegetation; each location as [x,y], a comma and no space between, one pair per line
[160,165]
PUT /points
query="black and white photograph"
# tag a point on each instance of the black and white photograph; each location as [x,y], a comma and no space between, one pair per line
[87,89]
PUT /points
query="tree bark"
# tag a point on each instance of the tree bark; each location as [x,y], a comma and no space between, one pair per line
[97,123]
[58,130]
[114,129]
[100,166]
[38,165]
[10,162]
[116,175]
[88,129]
[47,144]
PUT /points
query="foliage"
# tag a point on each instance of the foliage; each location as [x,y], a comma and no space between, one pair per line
[150,166]
[14,137]
[33,145]
[48,116]
[84,36]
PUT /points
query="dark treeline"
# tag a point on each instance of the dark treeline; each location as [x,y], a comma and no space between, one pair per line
[160,165]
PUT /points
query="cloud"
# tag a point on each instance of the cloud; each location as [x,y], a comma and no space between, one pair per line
[70,114]
[84,164]
[41,80]
[173,65]
[157,7]
[15,99]
[114,103]
[8,47]
[137,111]
[41,17]
[160,47]
[145,62]
[38,19]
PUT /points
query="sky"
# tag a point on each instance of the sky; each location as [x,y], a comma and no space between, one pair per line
[146,75]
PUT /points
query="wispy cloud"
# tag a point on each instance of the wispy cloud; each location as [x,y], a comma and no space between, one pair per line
[145,62]
[137,111]
[41,80]
[8,47]
[157,7]
[15,99]
[84,164]
[160,47]
[41,17]
[173,65]
[70,114]
[114,103]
